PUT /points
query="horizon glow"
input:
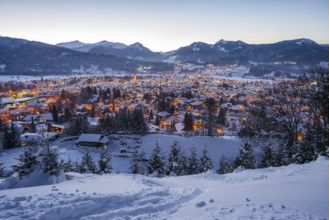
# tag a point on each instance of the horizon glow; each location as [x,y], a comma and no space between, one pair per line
[165,25]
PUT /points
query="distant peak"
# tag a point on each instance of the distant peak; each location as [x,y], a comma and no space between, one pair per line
[301,41]
[222,42]
[137,44]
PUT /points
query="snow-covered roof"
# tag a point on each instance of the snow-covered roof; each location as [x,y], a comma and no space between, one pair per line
[94,138]
[31,137]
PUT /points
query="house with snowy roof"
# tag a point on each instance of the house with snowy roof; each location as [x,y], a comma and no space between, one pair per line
[92,140]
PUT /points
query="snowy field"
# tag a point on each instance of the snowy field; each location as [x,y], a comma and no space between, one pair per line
[291,192]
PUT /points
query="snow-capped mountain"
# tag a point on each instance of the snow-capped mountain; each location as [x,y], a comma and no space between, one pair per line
[301,51]
[134,51]
[21,57]
[86,47]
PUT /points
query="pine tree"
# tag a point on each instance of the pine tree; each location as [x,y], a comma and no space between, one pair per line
[157,120]
[2,125]
[50,162]
[32,126]
[87,164]
[175,160]
[105,162]
[93,112]
[225,166]
[205,161]
[55,114]
[305,153]
[221,118]
[2,171]
[78,126]
[138,164]
[210,103]
[134,165]
[193,166]
[157,161]
[11,137]
[27,162]
[267,157]
[67,114]
[151,115]
[138,124]
[68,166]
[188,122]
[245,158]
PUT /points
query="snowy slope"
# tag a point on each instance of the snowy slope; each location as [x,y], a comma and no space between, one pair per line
[292,192]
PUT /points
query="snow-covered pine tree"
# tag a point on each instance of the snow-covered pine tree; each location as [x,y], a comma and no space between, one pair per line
[225,166]
[27,162]
[134,165]
[305,153]
[183,168]
[105,162]
[175,160]
[266,157]
[156,165]
[68,166]
[205,161]
[138,164]
[193,164]
[50,161]
[245,158]
[87,164]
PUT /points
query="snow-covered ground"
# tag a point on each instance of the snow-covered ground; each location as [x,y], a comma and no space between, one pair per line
[292,192]
[216,146]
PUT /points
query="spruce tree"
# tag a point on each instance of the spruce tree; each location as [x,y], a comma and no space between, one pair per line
[11,137]
[266,157]
[305,153]
[55,114]
[139,163]
[151,115]
[175,160]
[27,162]
[138,121]
[245,158]
[193,164]
[225,166]
[134,165]
[2,125]
[2,171]
[105,161]
[87,164]
[188,122]
[157,161]
[33,126]
[50,162]
[68,166]
[205,161]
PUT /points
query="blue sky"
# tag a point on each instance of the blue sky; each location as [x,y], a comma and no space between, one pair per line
[165,25]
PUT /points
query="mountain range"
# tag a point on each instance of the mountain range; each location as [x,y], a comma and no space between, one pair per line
[303,51]
[22,56]
[19,56]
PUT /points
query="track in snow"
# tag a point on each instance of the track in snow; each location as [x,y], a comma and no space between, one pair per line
[152,203]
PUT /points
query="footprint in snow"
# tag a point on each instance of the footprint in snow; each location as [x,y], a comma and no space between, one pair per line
[201,204]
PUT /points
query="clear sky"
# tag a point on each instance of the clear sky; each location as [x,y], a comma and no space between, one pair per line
[164,25]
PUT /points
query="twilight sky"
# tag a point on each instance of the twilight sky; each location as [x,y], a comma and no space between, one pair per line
[165,25]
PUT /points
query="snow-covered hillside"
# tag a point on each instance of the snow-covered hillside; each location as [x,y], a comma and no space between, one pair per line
[292,192]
